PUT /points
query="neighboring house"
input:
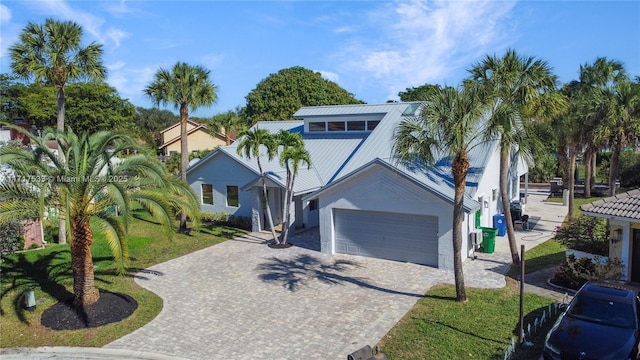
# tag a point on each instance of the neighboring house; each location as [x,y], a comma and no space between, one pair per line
[623,213]
[363,202]
[198,138]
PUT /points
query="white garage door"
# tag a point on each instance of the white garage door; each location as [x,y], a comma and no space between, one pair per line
[393,236]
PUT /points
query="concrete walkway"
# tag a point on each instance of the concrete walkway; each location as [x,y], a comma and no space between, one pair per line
[243,300]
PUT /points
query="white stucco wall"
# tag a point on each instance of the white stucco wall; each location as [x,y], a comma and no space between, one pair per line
[380,189]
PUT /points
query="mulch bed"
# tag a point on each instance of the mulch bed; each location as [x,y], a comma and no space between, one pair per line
[280,246]
[110,308]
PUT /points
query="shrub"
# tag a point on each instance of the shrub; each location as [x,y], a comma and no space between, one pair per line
[51,232]
[11,240]
[224,219]
[573,273]
[629,169]
[585,233]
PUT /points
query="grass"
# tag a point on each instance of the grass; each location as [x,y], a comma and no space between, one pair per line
[48,272]
[576,202]
[438,327]
[544,255]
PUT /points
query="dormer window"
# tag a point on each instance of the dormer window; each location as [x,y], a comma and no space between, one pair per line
[343,125]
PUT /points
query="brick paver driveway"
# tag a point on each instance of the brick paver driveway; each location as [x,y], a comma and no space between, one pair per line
[242,300]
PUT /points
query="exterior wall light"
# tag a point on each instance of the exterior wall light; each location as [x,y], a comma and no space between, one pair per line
[616,236]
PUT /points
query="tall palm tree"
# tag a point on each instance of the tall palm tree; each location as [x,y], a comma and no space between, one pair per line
[90,183]
[185,87]
[52,53]
[597,88]
[250,143]
[228,122]
[449,123]
[516,88]
[292,155]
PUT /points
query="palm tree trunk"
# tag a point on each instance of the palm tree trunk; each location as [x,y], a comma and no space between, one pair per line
[504,197]
[287,201]
[269,217]
[587,172]
[285,225]
[84,290]
[459,168]
[613,167]
[563,159]
[184,155]
[62,224]
[572,180]
[265,195]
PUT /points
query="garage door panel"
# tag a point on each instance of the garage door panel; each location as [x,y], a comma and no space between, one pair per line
[402,237]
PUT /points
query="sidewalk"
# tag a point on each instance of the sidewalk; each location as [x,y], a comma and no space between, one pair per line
[544,217]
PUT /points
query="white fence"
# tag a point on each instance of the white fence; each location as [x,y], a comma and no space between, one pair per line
[551,313]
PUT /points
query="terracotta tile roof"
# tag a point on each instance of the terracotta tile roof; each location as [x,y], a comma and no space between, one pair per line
[625,205]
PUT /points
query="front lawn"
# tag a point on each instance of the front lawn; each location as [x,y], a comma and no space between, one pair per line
[48,272]
[440,328]
[547,254]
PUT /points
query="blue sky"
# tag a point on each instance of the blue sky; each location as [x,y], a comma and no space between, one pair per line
[373,49]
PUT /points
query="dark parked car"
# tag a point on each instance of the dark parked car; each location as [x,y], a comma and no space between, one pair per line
[601,322]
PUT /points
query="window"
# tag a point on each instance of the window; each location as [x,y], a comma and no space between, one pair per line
[313,204]
[232,196]
[355,126]
[316,126]
[372,124]
[335,125]
[207,194]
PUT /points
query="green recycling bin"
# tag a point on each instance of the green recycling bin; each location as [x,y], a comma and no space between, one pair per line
[489,239]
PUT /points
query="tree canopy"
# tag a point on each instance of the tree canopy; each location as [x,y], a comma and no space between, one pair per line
[280,95]
[420,93]
[92,106]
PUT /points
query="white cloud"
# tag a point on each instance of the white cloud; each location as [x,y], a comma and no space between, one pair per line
[331,76]
[211,61]
[5,14]
[116,35]
[130,82]
[420,42]
[90,23]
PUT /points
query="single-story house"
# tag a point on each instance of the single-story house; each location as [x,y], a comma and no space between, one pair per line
[623,213]
[363,201]
[198,138]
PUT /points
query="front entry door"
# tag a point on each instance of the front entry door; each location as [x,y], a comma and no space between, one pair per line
[635,256]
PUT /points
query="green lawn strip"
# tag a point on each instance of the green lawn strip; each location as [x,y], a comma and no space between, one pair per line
[547,254]
[48,272]
[437,327]
[576,202]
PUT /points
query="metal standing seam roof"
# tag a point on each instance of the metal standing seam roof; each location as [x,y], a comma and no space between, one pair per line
[624,205]
[336,155]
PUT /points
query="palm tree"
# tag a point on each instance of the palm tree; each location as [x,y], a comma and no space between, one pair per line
[228,122]
[449,123]
[597,88]
[185,87]
[292,155]
[90,183]
[515,88]
[52,53]
[250,143]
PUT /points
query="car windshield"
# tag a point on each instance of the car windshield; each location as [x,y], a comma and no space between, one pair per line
[602,311]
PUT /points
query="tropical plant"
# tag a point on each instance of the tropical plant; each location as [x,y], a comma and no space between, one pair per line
[280,95]
[185,87]
[292,155]
[449,124]
[516,88]
[249,145]
[596,95]
[228,122]
[91,184]
[52,54]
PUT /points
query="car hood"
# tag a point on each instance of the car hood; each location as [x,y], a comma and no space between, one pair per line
[597,341]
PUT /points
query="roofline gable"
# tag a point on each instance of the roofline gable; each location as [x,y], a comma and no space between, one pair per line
[377,161]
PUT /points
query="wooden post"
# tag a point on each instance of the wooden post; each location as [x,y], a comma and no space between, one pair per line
[521,327]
